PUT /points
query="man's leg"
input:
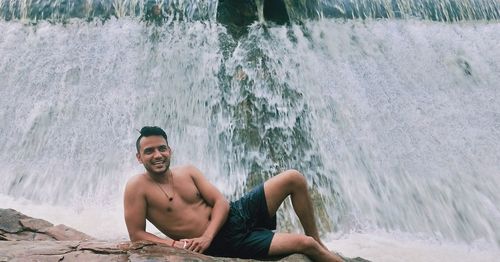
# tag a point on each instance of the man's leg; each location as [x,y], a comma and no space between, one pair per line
[285,244]
[292,183]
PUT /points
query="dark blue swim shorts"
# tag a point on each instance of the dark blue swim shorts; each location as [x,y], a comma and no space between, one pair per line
[247,232]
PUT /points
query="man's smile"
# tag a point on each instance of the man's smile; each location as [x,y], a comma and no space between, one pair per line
[158,163]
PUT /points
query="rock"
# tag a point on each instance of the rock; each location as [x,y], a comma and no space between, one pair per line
[16,226]
[62,232]
[24,248]
[23,235]
[42,237]
[105,251]
[356,259]
[29,239]
[26,235]
[106,247]
[34,224]
[9,221]
[90,256]
[165,253]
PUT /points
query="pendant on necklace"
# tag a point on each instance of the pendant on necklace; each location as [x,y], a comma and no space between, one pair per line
[170,198]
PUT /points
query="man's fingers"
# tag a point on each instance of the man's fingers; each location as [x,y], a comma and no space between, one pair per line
[188,244]
[193,246]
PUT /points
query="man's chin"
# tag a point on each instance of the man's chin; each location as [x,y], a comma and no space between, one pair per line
[157,171]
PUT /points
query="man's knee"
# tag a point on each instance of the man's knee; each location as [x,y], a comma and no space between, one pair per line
[296,179]
[307,244]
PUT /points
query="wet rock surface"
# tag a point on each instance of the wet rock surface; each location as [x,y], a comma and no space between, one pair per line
[24,238]
[31,239]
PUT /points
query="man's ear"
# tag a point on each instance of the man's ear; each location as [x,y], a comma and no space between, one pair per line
[138,156]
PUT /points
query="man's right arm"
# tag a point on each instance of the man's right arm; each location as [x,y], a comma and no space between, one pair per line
[134,203]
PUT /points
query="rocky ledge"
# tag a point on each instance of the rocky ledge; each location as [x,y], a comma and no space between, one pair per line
[23,238]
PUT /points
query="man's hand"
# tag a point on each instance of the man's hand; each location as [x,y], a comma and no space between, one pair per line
[199,244]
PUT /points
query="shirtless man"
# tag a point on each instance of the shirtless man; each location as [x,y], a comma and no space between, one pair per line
[188,209]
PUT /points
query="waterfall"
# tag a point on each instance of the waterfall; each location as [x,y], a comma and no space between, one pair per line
[62,10]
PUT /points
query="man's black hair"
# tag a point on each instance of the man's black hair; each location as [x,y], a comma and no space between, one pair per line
[150,131]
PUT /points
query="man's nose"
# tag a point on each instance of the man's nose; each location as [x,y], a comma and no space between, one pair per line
[157,153]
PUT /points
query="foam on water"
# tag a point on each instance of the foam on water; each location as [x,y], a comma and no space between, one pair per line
[396,247]
[100,221]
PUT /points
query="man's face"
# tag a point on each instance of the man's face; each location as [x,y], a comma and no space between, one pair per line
[154,154]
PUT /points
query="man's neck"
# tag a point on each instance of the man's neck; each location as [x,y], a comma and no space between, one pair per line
[164,177]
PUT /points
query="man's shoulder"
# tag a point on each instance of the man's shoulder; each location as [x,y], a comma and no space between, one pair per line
[187,169]
[136,181]
[188,172]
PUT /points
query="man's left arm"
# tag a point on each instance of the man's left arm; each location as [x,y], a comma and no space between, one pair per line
[220,210]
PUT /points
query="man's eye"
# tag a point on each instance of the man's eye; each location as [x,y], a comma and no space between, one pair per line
[163,149]
[148,151]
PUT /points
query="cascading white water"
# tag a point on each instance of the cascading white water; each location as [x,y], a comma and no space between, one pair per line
[412,135]
[405,117]
[73,96]
[397,121]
